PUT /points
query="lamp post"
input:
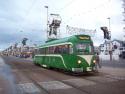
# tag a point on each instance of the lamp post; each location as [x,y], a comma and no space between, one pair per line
[110,45]
[109,22]
[47,19]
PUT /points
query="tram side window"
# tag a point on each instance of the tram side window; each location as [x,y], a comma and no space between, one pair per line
[84,48]
[65,49]
[47,50]
[61,49]
[36,51]
[51,50]
[42,51]
[57,50]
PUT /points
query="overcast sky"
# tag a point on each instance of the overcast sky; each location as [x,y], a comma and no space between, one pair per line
[27,18]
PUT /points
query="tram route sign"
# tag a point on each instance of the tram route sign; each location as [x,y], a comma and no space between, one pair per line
[84,38]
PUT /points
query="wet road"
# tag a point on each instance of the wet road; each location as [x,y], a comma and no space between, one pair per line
[19,76]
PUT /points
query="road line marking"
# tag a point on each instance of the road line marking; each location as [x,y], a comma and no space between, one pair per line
[28,88]
[101,79]
[116,77]
[53,85]
[80,82]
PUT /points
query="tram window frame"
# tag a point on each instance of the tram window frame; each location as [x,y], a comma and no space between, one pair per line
[60,49]
[36,51]
[87,45]
[70,49]
[51,50]
[46,50]
[42,51]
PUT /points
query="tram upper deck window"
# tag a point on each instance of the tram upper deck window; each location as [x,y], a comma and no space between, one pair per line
[84,48]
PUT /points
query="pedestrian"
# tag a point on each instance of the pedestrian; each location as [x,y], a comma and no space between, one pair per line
[97,62]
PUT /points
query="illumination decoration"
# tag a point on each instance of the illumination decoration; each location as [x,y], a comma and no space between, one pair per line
[76,30]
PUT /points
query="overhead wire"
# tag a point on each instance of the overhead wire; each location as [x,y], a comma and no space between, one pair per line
[28,11]
[67,5]
[89,11]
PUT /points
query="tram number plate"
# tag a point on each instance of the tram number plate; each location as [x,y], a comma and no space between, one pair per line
[77,69]
[89,68]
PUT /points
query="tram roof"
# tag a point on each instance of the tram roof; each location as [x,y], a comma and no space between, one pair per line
[71,39]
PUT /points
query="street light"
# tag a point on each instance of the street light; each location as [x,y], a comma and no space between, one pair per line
[110,45]
[47,19]
[109,22]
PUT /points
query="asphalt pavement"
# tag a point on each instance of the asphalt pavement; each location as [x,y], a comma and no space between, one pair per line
[21,76]
[114,63]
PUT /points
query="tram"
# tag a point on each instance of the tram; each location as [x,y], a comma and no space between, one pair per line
[73,54]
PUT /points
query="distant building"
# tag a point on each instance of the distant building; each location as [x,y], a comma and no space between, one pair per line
[19,50]
[124,18]
[96,49]
[115,46]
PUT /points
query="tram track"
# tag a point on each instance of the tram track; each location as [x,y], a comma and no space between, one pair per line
[27,72]
[57,79]
[27,69]
[22,68]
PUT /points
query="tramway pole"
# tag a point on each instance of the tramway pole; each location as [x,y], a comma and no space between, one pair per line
[107,36]
[110,45]
[47,20]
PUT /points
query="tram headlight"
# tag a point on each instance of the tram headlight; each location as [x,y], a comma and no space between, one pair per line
[79,61]
[94,61]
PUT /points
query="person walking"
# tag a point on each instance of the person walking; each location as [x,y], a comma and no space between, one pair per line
[97,62]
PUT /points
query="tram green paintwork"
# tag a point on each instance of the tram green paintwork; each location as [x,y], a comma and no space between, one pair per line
[65,61]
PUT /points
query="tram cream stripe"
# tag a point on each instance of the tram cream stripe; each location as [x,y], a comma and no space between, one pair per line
[88,58]
[57,44]
[55,56]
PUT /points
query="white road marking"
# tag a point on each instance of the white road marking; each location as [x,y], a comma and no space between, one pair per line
[101,79]
[28,88]
[80,82]
[55,85]
[52,85]
[116,77]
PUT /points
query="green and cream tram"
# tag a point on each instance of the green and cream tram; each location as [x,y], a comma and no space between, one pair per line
[73,54]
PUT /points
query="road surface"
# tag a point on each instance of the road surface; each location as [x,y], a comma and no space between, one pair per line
[20,76]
